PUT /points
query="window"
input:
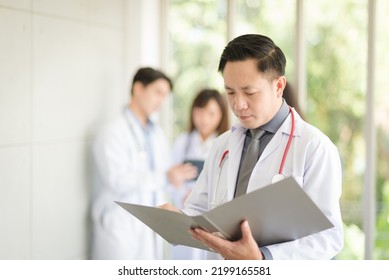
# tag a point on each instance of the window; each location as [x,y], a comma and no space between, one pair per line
[382,120]
[336,36]
[336,66]
[198,36]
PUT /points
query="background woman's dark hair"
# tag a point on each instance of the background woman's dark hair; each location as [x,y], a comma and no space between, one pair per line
[270,59]
[202,99]
[148,75]
[290,97]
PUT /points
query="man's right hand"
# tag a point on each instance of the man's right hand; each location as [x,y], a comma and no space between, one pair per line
[180,173]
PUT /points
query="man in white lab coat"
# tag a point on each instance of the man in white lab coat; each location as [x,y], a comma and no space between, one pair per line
[132,165]
[253,70]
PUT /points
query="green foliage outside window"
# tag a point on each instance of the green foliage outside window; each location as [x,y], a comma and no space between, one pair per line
[336,34]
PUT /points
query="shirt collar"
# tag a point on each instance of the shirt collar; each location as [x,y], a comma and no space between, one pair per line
[149,125]
[275,123]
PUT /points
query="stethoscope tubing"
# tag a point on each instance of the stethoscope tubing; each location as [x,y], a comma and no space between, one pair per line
[141,147]
[286,151]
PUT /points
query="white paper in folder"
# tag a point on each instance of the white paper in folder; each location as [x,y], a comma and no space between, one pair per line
[276,213]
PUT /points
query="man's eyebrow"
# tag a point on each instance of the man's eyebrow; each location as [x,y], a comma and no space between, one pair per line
[243,88]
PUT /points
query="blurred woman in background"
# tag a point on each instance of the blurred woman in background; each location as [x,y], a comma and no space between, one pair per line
[208,119]
[291,99]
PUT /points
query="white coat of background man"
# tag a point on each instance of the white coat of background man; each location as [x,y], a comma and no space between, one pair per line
[131,158]
[253,69]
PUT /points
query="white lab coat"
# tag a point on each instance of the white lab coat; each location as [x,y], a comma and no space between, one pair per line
[314,162]
[123,174]
[188,146]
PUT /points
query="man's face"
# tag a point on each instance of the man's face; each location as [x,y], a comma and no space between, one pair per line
[151,97]
[252,96]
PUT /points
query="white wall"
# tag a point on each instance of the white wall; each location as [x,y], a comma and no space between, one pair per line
[64,69]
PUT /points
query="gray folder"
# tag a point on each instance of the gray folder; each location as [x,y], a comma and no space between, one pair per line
[276,213]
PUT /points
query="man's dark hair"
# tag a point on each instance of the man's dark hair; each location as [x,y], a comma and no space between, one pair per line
[148,75]
[271,60]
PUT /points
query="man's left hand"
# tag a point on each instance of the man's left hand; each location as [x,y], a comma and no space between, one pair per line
[243,249]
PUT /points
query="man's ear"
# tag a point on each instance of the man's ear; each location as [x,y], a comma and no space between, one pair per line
[137,88]
[280,84]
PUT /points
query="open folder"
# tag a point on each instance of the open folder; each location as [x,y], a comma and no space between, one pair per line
[276,213]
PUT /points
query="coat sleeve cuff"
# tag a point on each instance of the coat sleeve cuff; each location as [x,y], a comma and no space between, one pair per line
[266,253]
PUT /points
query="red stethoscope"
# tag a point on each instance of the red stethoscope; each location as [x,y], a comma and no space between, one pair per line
[279,176]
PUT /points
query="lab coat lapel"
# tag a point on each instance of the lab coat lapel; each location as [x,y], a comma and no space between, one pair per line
[271,146]
[235,147]
[276,141]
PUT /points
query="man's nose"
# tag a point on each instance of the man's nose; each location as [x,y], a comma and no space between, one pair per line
[240,103]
